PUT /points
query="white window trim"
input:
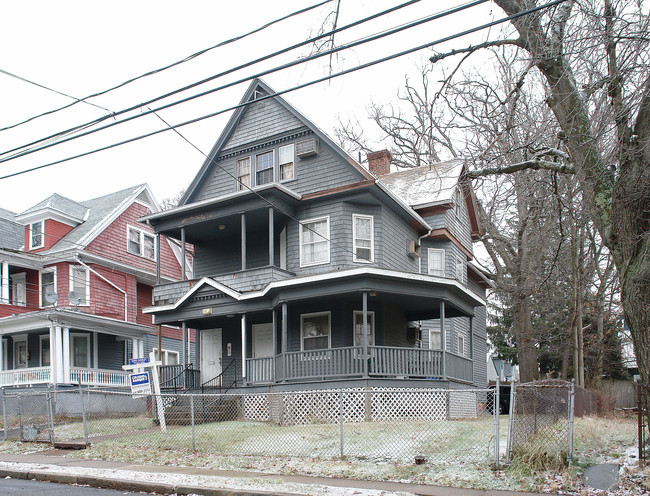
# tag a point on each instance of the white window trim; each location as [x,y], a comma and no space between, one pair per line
[31,245]
[372,238]
[460,268]
[238,184]
[460,345]
[18,338]
[315,314]
[41,338]
[274,154]
[88,355]
[142,235]
[327,239]
[430,270]
[435,331]
[371,322]
[293,163]
[50,270]
[86,299]
[16,278]
[165,355]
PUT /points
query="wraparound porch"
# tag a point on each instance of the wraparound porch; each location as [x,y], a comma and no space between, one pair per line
[35,376]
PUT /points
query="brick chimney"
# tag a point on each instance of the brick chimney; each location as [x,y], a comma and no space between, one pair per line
[379,162]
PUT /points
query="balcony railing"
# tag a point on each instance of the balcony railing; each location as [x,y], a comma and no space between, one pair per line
[382,361]
[25,377]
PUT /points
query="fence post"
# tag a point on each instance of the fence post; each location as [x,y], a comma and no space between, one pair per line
[639,406]
[50,414]
[341,420]
[496,422]
[571,417]
[83,413]
[511,420]
[4,415]
[192,418]
[20,417]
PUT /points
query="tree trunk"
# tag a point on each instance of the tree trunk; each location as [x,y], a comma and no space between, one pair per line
[526,350]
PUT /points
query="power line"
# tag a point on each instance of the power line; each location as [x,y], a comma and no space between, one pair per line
[155,71]
[294,88]
[221,74]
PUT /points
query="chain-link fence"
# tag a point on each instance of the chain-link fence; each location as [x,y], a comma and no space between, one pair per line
[541,420]
[380,424]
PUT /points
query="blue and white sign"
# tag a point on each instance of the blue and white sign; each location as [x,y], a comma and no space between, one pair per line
[140,384]
[138,361]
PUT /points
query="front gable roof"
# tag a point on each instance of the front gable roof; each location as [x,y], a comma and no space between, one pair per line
[259,95]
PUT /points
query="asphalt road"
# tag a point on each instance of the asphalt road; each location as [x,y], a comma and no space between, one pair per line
[18,487]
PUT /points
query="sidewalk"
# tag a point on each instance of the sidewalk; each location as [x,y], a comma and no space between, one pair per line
[55,467]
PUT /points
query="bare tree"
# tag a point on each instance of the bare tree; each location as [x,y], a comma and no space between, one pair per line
[593,62]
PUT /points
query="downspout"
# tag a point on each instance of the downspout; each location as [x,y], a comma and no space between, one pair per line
[420,245]
[126,298]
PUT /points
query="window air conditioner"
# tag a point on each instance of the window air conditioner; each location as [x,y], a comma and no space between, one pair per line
[307,147]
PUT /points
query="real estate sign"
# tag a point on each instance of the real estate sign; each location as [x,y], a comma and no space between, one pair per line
[140,384]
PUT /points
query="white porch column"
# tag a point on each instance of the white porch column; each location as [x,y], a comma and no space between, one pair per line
[66,355]
[4,289]
[53,378]
[95,351]
[57,356]
[243,348]
[2,354]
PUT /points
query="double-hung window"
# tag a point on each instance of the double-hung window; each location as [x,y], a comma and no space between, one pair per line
[435,339]
[36,235]
[315,331]
[80,284]
[458,206]
[285,161]
[168,357]
[47,286]
[363,242]
[436,261]
[264,168]
[243,173]
[141,243]
[315,241]
[460,343]
[460,268]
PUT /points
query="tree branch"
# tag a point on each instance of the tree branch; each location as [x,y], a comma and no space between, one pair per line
[534,164]
[473,48]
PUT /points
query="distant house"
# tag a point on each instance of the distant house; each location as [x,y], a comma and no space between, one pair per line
[74,279]
[312,271]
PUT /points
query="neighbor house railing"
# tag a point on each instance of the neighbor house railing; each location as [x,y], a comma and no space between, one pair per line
[382,361]
[99,377]
[25,377]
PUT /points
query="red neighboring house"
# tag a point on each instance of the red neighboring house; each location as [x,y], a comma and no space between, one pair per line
[74,279]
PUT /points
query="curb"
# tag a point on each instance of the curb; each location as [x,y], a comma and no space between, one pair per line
[133,486]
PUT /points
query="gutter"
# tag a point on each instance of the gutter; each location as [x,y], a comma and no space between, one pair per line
[126,297]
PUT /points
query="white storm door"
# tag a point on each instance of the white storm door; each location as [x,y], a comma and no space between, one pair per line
[210,354]
[263,340]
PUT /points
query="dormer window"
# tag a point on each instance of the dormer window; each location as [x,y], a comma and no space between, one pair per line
[141,243]
[36,235]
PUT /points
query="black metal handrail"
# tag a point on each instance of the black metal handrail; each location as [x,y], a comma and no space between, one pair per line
[176,377]
[224,381]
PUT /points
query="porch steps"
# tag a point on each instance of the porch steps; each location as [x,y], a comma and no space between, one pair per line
[206,410]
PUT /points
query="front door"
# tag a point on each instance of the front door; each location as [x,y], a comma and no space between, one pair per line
[210,354]
[263,340]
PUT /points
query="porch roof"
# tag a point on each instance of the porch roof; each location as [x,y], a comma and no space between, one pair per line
[70,318]
[415,293]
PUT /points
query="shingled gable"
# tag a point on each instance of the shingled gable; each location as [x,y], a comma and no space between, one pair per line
[260,96]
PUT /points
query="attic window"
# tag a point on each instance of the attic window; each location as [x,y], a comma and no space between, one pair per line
[243,173]
[257,94]
[458,202]
[285,159]
[264,168]
[141,243]
[36,235]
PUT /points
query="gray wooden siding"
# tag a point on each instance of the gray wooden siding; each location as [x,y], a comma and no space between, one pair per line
[480,347]
[459,226]
[110,354]
[261,120]
[393,241]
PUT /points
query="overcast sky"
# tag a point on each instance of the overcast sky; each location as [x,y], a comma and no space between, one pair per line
[81,47]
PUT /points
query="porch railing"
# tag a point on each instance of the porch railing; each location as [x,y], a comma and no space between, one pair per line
[261,369]
[25,377]
[179,378]
[407,362]
[99,377]
[459,367]
[332,362]
[383,361]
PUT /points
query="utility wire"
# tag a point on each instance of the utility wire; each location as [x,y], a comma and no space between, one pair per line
[221,74]
[155,71]
[294,88]
[76,100]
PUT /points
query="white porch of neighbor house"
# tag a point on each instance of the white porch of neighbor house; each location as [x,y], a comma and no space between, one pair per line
[61,354]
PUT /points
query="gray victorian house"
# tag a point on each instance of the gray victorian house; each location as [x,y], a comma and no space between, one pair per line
[311,271]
